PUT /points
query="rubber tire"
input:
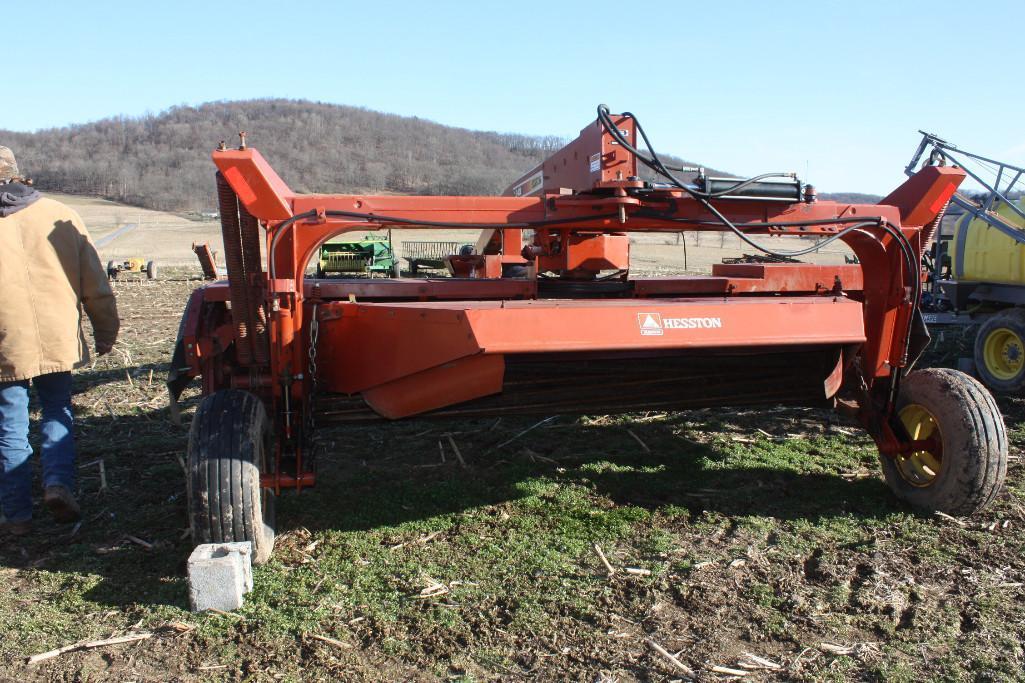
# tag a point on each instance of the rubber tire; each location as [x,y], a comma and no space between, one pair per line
[974,461]
[228,445]
[151,270]
[1014,320]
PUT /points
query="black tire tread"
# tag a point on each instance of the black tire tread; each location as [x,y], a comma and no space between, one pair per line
[226,442]
[974,443]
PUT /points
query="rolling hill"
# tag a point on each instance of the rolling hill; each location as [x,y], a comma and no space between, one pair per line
[162,161]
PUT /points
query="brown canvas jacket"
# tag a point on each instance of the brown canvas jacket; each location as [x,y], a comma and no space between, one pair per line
[49,273]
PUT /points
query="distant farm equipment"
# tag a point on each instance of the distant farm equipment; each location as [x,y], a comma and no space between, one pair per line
[207,260]
[758,258]
[373,255]
[138,266]
[423,254]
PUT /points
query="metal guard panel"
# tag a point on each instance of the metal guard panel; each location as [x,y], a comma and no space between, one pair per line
[383,342]
[547,326]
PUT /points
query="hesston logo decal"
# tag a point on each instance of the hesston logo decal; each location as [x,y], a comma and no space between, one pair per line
[653,324]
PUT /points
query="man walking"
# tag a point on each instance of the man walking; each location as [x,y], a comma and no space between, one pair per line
[49,272]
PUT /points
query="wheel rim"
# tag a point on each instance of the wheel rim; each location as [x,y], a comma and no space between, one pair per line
[920,468]
[1004,353]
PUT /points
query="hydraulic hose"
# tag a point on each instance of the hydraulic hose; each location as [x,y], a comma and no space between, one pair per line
[655,163]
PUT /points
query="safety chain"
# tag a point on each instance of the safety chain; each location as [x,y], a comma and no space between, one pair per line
[312,352]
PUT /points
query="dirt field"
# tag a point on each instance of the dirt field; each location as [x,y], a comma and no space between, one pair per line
[761,541]
[164,237]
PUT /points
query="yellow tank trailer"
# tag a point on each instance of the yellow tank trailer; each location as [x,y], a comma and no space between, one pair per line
[978,270]
[994,262]
[981,253]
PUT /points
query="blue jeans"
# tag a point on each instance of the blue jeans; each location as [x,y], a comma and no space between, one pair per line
[57,450]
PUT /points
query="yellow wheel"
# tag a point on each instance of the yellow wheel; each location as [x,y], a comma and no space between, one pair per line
[1000,351]
[920,468]
[962,465]
[1004,353]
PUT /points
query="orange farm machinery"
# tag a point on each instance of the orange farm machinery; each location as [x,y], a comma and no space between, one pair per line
[542,317]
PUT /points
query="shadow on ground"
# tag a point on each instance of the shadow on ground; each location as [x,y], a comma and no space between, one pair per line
[361,489]
[384,475]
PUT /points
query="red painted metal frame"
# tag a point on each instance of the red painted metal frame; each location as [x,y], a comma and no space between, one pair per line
[593,159]
[887,309]
[590,189]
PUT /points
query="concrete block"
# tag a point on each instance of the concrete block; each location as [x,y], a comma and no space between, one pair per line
[220,574]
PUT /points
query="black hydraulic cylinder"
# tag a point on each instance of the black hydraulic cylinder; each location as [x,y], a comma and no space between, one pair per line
[783,190]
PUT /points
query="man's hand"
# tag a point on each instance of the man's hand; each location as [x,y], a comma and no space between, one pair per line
[103,349]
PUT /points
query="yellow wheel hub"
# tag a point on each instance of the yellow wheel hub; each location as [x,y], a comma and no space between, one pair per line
[1004,353]
[919,468]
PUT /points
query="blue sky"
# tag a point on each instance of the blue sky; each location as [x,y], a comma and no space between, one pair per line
[833,90]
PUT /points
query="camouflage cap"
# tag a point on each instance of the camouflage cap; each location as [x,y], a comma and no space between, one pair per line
[8,166]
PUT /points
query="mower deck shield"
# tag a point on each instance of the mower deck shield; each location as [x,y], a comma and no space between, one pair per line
[415,354]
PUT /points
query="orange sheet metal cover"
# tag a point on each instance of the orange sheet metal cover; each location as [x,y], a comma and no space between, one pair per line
[258,186]
[398,339]
[443,385]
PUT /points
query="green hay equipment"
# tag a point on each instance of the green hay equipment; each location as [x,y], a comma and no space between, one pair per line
[370,256]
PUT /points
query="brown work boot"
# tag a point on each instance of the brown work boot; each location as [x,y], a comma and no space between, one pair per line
[17,528]
[62,504]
